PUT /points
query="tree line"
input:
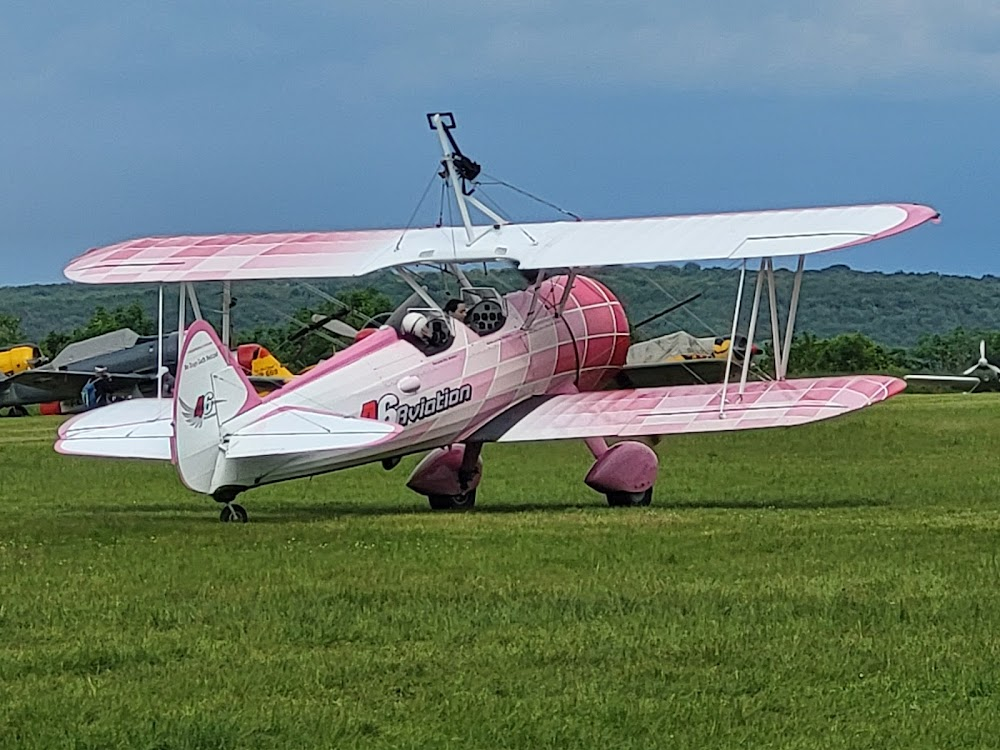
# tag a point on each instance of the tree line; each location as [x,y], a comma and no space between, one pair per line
[894,309]
[300,343]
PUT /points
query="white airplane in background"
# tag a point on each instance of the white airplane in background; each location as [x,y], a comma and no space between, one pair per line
[528,365]
[966,378]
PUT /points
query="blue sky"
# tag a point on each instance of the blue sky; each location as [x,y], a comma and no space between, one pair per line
[122,119]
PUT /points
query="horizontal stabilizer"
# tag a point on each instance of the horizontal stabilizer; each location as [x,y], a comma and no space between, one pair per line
[290,430]
[686,409]
[140,428]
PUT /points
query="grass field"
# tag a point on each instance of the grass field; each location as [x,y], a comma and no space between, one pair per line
[832,586]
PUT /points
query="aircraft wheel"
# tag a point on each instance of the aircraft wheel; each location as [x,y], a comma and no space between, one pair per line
[630,499]
[462,501]
[233,512]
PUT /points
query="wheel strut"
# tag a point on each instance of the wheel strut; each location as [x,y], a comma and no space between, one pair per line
[231,511]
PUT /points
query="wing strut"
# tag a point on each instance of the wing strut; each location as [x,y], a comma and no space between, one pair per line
[782,351]
[748,353]
[181,310]
[793,308]
[195,307]
[732,338]
[773,305]
[159,344]
[227,303]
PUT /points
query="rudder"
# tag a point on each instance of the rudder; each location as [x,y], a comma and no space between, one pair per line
[210,389]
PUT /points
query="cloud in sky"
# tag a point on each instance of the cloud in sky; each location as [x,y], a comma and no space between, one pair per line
[915,47]
[127,117]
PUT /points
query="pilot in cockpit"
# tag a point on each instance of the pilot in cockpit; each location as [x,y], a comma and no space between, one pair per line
[416,326]
[456,309]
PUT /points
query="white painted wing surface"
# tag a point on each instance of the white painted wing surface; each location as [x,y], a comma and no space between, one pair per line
[140,428]
[289,430]
[686,409]
[544,245]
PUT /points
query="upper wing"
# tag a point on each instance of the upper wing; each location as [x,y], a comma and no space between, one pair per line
[544,245]
[683,409]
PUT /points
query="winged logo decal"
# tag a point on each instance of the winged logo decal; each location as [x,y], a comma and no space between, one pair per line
[204,407]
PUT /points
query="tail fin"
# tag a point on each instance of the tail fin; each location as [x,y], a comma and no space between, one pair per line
[210,389]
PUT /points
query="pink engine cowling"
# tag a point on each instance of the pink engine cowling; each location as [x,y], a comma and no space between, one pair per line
[593,333]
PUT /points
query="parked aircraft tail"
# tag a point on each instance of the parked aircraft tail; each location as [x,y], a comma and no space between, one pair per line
[210,389]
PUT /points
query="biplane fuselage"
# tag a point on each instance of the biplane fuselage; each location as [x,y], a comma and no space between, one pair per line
[444,398]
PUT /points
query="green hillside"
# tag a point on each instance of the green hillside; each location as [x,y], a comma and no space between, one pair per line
[894,309]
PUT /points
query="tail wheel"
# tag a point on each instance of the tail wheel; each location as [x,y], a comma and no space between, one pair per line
[462,501]
[630,499]
[233,513]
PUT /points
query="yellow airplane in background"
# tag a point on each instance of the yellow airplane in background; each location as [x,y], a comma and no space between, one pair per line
[20,358]
[265,370]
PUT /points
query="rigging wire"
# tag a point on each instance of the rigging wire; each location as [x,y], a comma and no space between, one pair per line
[330,298]
[413,215]
[497,181]
[687,309]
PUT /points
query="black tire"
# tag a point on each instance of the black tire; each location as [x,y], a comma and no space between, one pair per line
[233,512]
[630,499]
[462,501]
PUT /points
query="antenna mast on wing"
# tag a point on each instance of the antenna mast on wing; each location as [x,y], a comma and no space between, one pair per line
[459,170]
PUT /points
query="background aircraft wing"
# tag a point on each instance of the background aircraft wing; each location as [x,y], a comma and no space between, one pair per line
[558,244]
[63,385]
[46,378]
[685,409]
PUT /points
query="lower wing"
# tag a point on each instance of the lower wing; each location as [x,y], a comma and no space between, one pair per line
[684,409]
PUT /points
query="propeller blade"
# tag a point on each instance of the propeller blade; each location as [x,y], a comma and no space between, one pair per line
[982,349]
[994,368]
[971,369]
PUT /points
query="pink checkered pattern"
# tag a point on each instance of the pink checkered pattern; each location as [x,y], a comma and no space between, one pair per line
[699,408]
[577,351]
[655,239]
[567,357]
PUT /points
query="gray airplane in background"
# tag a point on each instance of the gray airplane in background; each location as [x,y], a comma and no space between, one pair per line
[129,359]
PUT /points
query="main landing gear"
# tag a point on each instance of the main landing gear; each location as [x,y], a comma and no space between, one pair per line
[448,477]
[232,512]
[624,473]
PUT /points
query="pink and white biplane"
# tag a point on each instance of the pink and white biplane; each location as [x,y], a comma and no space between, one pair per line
[528,365]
